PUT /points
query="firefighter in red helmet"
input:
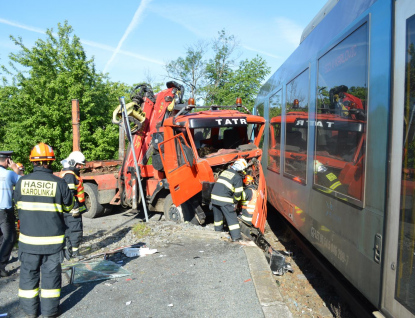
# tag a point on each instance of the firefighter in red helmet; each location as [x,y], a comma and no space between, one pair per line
[249,198]
[41,199]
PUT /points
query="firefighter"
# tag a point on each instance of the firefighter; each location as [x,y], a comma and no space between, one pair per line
[74,231]
[226,192]
[41,198]
[7,219]
[328,179]
[249,198]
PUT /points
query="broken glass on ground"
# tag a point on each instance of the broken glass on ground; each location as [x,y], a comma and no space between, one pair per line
[94,271]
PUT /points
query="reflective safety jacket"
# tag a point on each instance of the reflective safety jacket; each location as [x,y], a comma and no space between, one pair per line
[76,185]
[249,198]
[228,188]
[41,199]
[330,181]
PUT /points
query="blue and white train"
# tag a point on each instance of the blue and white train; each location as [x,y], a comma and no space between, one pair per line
[340,152]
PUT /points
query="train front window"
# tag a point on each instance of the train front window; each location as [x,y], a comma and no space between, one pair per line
[296,128]
[405,274]
[341,118]
[274,143]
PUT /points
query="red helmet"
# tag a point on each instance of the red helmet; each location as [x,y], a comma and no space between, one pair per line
[42,152]
[248,179]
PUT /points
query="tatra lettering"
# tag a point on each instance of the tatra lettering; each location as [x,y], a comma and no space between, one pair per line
[39,188]
[231,121]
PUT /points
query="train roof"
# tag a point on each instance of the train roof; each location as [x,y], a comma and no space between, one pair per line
[318,18]
[320,33]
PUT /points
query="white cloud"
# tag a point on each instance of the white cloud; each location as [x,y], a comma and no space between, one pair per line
[261,52]
[22,26]
[86,42]
[289,30]
[133,24]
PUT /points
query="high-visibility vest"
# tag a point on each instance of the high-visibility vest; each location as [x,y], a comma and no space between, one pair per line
[250,206]
[79,188]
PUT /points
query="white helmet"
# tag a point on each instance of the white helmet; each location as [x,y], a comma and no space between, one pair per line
[239,165]
[76,157]
[65,163]
[319,167]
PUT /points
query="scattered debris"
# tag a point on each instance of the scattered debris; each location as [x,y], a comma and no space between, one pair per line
[170,305]
[288,253]
[117,250]
[142,251]
[247,280]
[128,303]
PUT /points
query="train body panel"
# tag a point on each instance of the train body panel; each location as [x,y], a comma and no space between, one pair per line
[326,157]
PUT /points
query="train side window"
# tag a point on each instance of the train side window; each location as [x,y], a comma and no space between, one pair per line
[274,143]
[340,146]
[259,111]
[405,273]
[296,127]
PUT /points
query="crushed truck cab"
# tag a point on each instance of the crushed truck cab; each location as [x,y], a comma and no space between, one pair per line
[198,146]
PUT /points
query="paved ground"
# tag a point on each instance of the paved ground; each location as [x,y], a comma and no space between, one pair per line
[196,273]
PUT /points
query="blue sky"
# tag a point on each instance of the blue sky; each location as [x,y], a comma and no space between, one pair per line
[131,40]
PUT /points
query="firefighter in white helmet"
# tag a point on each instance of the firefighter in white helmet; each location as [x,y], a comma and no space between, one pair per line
[71,174]
[226,192]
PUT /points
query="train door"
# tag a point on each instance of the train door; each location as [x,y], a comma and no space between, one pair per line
[398,297]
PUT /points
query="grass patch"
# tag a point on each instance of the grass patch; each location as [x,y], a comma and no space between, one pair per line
[141,229]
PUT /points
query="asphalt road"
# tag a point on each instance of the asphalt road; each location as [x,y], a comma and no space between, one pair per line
[196,273]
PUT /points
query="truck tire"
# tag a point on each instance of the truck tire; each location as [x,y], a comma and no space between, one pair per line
[95,209]
[180,214]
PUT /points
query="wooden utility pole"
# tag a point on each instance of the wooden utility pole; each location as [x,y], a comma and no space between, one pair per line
[76,145]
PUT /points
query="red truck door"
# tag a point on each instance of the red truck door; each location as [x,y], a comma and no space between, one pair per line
[179,165]
[260,215]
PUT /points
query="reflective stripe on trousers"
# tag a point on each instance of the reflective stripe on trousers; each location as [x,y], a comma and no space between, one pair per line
[43,269]
[227,211]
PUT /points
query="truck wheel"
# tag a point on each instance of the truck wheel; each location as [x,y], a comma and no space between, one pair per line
[95,209]
[178,214]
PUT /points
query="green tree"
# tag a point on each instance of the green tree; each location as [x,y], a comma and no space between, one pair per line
[244,82]
[189,70]
[36,106]
[219,68]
